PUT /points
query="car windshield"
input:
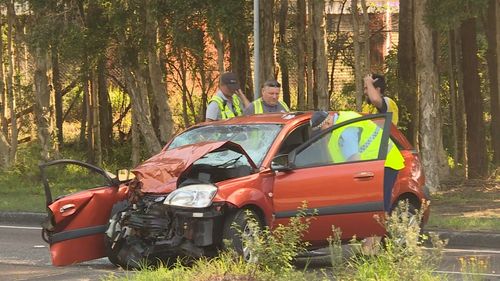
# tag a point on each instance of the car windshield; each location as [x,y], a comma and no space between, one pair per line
[256,139]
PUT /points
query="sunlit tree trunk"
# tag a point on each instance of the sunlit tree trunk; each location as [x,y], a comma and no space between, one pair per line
[4,144]
[477,164]
[282,58]
[83,116]
[219,45]
[10,83]
[321,67]
[357,55]
[310,58]
[301,54]
[42,104]
[136,141]
[158,86]
[460,117]
[105,110]
[429,88]
[267,40]
[366,38]
[96,130]
[493,74]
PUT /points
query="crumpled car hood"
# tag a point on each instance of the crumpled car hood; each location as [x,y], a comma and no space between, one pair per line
[159,173]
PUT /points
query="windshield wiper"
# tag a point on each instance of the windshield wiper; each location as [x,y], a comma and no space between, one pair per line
[229,162]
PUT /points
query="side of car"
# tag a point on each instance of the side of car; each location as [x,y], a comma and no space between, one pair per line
[345,194]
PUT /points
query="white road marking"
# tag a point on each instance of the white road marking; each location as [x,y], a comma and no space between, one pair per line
[462,273]
[472,251]
[20,227]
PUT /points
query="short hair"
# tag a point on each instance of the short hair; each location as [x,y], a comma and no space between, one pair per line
[379,82]
[271,83]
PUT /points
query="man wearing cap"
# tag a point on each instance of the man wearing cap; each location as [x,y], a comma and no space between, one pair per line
[376,102]
[359,141]
[269,102]
[225,104]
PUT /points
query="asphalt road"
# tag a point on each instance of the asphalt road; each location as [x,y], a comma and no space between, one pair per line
[25,256]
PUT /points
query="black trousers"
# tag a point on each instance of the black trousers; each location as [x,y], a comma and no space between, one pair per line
[390,176]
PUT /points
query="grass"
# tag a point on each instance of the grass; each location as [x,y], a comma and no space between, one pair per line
[467,206]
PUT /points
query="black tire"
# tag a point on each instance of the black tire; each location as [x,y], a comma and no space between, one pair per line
[236,225]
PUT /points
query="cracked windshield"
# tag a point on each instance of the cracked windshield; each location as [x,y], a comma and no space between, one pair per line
[256,139]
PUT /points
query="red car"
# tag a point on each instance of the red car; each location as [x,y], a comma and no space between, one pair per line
[184,200]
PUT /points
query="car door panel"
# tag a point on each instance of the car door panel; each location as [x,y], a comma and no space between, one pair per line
[77,222]
[347,195]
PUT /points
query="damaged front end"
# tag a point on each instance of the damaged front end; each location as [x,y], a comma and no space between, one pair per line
[170,211]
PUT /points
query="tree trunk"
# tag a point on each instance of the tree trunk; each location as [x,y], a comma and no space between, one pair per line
[460,117]
[96,132]
[453,95]
[91,157]
[358,79]
[282,58]
[159,88]
[42,103]
[240,62]
[219,45]
[493,74]
[301,54]
[4,152]
[83,117]
[366,38]
[10,86]
[321,67]
[137,86]
[266,8]
[476,143]
[406,70]
[310,58]
[429,88]
[4,126]
[56,83]
[105,110]
[136,141]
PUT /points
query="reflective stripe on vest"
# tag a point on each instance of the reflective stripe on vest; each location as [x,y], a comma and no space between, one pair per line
[258,107]
[371,136]
[391,107]
[225,111]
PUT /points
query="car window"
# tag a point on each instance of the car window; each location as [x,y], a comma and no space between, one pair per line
[64,179]
[358,141]
[255,139]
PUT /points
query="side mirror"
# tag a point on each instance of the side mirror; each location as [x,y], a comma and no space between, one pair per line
[125,175]
[280,163]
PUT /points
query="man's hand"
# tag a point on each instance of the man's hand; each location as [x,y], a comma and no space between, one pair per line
[242,97]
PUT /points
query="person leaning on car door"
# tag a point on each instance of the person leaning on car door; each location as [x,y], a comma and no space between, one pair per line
[359,141]
[375,101]
[228,101]
[269,102]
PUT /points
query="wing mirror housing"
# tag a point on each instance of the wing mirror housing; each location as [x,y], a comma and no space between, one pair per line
[281,163]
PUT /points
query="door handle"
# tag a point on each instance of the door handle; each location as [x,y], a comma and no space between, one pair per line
[364,175]
[66,207]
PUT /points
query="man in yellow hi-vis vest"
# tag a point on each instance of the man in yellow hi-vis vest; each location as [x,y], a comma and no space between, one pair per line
[376,102]
[360,141]
[269,102]
[228,101]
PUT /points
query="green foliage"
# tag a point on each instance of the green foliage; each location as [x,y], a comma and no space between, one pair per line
[447,14]
[274,250]
[402,257]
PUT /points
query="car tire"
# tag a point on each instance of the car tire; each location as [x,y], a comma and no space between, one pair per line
[235,226]
[412,220]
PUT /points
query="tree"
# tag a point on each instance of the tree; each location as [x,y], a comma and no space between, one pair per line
[476,140]
[266,8]
[301,53]
[357,55]
[406,70]
[427,81]
[320,65]
[282,53]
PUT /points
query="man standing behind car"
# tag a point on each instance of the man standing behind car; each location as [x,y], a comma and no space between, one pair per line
[376,102]
[227,102]
[269,102]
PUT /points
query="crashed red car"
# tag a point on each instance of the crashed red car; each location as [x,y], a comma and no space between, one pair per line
[184,200]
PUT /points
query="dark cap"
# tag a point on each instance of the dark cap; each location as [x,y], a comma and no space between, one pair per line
[318,118]
[230,80]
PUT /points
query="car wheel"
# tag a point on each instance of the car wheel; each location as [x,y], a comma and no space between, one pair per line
[411,220]
[236,226]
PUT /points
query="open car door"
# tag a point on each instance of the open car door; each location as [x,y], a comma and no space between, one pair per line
[76,223]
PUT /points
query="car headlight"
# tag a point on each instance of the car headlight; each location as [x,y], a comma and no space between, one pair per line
[192,196]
